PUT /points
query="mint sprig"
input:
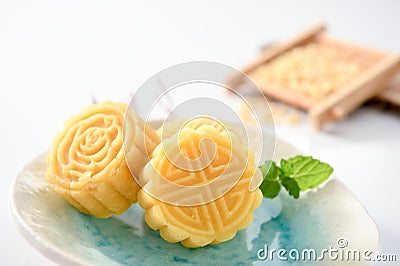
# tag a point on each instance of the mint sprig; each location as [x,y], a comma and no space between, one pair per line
[295,175]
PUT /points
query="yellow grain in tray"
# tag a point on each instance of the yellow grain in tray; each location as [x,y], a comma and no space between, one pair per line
[313,70]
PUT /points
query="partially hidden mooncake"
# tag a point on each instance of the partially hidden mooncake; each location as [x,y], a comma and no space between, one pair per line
[87,164]
[198,185]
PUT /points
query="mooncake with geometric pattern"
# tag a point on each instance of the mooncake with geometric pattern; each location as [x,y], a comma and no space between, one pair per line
[187,201]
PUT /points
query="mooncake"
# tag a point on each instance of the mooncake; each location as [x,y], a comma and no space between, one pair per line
[180,201]
[170,127]
[87,164]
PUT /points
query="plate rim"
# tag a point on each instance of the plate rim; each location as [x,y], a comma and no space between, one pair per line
[47,249]
[59,256]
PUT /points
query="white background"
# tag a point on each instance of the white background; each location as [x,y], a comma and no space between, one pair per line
[55,56]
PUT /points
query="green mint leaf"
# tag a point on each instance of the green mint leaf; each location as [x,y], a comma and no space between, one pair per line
[291,186]
[269,170]
[308,172]
[295,175]
[286,167]
[270,189]
[270,186]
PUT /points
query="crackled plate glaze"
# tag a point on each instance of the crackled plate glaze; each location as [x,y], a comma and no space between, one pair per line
[317,220]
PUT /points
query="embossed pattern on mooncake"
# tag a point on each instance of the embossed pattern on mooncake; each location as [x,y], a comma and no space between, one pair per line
[170,127]
[87,165]
[213,221]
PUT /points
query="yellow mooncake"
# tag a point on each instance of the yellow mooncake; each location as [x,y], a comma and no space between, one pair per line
[200,201]
[87,164]
[170,127]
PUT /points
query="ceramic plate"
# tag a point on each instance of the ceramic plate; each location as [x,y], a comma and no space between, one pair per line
[329,217]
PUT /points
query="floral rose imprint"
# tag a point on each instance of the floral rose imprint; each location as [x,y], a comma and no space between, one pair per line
[87,164]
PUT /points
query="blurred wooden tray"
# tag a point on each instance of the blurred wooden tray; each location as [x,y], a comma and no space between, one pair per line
[391,91]
[380,68]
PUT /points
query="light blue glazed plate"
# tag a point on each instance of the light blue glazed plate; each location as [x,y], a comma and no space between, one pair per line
[316,221]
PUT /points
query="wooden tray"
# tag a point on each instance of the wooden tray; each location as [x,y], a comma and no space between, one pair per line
[391,91]
[380,68]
